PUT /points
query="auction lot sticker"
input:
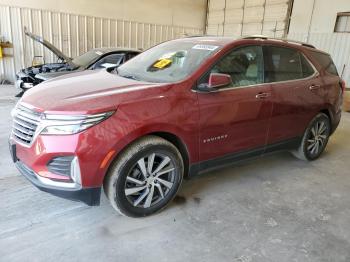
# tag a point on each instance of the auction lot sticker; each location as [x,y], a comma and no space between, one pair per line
[205,47]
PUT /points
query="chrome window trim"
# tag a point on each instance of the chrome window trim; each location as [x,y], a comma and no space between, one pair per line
[230,88]
[315,74]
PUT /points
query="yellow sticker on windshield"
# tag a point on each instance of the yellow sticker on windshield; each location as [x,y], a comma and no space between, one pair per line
[161,63]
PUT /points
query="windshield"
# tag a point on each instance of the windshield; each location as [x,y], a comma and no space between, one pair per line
[87,58]
[168,62]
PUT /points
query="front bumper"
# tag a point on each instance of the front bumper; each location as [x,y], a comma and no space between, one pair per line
[86,157]
[89,196]
[89,148]
[20,84]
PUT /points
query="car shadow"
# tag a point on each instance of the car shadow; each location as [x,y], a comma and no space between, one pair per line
[264,168]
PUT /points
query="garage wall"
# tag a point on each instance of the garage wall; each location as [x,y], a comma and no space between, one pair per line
[180,12]
[248,17]
[74,34]
[316,16]
[313,21]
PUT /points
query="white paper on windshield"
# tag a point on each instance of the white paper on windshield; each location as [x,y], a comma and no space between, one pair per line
[205,47]
[98,53]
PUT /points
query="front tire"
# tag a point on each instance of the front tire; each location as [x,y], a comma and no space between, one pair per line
[315,138]
[145,177]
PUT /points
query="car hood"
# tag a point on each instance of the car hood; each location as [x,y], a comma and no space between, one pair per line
[90,91]
[50,46]
[47,76]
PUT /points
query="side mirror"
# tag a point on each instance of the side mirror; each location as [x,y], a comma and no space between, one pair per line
[216,81]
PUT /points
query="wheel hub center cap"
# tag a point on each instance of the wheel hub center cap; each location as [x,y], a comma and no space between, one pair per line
[150,179]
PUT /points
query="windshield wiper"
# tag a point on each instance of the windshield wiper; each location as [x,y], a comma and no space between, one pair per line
[129,76]
[126,75]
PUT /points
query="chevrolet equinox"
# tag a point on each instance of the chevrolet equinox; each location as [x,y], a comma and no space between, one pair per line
[178,109]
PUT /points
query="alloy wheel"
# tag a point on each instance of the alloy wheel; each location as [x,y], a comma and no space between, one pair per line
[317,137]
[150,180]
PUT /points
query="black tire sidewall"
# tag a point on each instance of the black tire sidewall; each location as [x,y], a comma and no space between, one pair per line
[119,184]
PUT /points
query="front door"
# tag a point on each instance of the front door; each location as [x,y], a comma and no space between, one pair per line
[235,118]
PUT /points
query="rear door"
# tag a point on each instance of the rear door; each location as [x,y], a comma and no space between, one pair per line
[297,96]
[235,118]
[331,83]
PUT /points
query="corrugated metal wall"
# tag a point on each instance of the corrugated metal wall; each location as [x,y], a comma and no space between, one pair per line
[337,44]
[74,34]
[248,17]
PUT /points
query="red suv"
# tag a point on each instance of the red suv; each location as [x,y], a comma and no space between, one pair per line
[180,108]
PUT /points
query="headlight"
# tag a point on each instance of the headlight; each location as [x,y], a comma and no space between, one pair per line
[70,124]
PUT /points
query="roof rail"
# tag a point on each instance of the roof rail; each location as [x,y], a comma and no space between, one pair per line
[295,42]
[190,36]
[279,39]
[255,37]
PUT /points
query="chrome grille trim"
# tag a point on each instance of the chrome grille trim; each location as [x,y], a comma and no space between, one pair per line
[25,124]
[23,129]
[21,117]
[23,136]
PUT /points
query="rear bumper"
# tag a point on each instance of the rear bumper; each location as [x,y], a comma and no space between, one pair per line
[89,196]
[336,121]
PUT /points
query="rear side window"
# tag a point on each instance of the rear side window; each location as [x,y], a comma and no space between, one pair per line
[326,62]
[283,64]
[306,67]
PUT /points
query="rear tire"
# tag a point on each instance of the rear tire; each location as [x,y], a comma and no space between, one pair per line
[315,138]
[145,177]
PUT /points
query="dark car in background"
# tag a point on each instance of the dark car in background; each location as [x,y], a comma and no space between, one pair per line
[93,59]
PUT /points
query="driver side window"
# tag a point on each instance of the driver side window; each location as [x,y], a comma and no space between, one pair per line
[109,61]
[244,65]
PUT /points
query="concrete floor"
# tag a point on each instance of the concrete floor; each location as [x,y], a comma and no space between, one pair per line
[276,208]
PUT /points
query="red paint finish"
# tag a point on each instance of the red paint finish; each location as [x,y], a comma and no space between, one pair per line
[294,105]
[236,114]
[210,125]
[163,109]
[219,80]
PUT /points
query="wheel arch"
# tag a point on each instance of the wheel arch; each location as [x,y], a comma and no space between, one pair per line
[328,113]
[179,144]
[169,136]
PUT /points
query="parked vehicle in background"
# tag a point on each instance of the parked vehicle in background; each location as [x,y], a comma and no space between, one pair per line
[94,59]
[180,108]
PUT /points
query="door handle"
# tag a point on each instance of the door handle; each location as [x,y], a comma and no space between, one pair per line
[262,95]
[314,87]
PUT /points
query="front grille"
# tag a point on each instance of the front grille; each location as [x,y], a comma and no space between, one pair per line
[61,165]
[25,123]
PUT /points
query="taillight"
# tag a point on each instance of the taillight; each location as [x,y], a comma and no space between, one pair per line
[342,85]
